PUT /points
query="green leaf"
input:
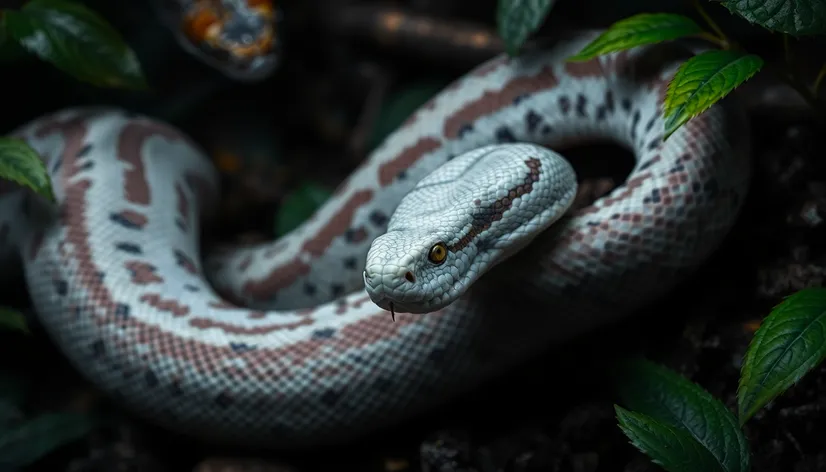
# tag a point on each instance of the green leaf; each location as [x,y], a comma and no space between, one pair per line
[518,19]
[672,399]
[22,164]
[645,28]
[672,448]
[13,320]
[299,205]
[703,80]
[76,40]
[400,105]
[42,434]
[795,17]
[790,342]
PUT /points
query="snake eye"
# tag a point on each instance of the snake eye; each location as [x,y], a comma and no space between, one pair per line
[438,253]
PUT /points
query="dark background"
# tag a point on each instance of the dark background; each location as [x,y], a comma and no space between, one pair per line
[339,75]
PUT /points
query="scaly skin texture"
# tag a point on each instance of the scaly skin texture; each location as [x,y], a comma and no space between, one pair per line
[117,279]
[476,209]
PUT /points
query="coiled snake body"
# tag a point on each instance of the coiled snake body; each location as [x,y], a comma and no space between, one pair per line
[117,280]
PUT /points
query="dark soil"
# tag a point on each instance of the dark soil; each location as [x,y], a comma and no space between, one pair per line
[554,414]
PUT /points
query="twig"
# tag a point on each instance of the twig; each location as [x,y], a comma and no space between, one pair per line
[720,37]
[791,79]
[713,39]
[809,94]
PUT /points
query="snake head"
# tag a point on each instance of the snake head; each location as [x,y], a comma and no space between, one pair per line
[414,271]
[463,219]
[235,36]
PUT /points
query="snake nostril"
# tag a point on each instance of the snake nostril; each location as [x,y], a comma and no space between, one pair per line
[410,277]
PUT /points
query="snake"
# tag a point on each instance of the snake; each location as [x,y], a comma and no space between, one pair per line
[236,37]
[460,222]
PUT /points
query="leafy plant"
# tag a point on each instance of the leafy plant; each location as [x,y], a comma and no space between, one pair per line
[683,428]
[77,41]
[705,78]
[22,164]
[518,19]
[25,439]
[645,28]
[672,420]
[794,17]
[790,342]
[83,45]
[677,423]
[31,439]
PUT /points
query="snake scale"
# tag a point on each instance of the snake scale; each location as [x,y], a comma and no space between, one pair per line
[278,344]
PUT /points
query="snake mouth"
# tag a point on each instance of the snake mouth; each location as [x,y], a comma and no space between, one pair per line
[388,301]
[393,306]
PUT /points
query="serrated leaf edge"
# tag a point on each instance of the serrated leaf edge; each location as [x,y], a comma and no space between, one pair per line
[758,401]
[47,191]
[669,108]
[592,50]
[664,375]
[641,419]
[766,26]
[512,45]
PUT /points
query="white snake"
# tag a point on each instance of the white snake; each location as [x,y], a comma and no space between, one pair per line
[116,276]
